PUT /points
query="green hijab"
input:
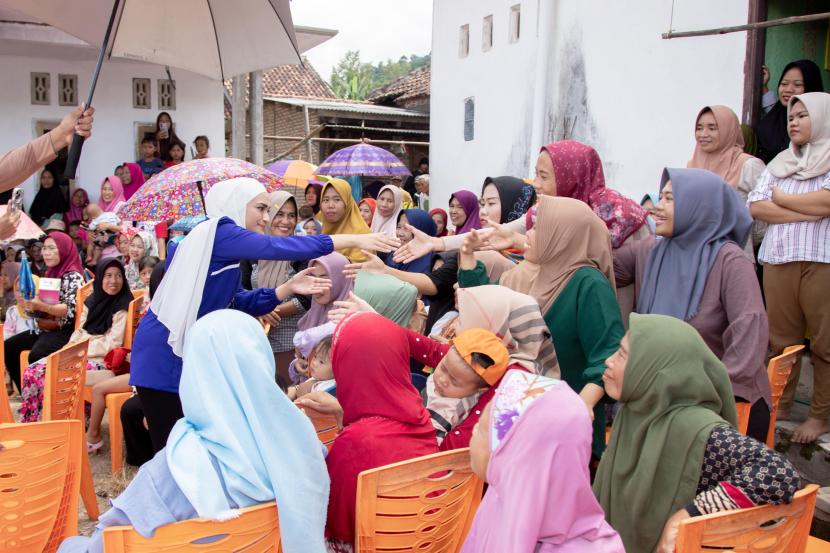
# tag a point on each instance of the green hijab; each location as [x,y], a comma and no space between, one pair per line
[674,392]
[390,297]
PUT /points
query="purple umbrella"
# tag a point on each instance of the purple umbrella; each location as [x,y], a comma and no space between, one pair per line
[363,160]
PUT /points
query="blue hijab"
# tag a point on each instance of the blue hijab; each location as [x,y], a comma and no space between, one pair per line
[422,221]
[237,422]
[708,213]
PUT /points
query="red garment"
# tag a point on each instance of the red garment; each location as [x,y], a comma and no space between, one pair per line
[136,179]
[579,175]
[69,260]
[383,417]
[443,214]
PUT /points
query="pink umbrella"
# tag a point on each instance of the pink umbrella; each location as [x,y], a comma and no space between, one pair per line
[26,230]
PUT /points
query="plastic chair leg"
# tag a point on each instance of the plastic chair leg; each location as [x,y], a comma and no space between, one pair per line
[88,488]
[114,404]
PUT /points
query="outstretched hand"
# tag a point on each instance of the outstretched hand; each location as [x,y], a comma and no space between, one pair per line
[500,238]
[419,246]
[305,283]
[352,305]
[377,241]
[373,264]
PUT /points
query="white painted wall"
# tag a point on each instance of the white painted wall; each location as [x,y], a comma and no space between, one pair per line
[199,110]
[599,68]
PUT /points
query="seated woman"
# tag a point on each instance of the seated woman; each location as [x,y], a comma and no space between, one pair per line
[103,322]
[698,273]
[674,450]
[569,271]
[227,454]
[383,418]
[57,322]
[420,220]
[532,445]
[342,216]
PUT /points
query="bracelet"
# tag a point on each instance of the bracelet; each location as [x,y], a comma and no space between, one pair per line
[52,143]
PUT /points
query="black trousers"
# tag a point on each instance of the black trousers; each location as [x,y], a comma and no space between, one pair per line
[162,410]
[137,438]
[41,345]
[758,419]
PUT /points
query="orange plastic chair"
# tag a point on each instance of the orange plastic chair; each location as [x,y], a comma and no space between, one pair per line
[40,468]
[778,371]
[325,425]
[257,530]
[743,409]
[425,504]
[114,404]
[6,414]
[82,294]
[133,318]
[63,400]
[138,293]
[768,528]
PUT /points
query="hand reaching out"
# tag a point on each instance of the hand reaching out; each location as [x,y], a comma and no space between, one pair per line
[373,264]
[305,283]
[352,305]
[501,238]
[419,246]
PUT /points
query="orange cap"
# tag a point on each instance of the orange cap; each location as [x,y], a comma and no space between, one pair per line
[478,340]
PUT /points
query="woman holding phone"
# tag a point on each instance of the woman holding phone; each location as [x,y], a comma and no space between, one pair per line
[165,135]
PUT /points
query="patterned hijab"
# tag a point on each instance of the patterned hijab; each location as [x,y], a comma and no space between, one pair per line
[515,195]
[728,160]
[579,175]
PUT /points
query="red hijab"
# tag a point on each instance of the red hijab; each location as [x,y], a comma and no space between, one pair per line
[136,179]
[383,417]
[443,216]
[69,260]
[579,175]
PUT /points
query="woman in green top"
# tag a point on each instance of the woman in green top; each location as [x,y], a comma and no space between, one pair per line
[568,269]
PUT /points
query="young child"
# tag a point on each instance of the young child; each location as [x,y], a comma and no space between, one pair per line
[176,154]
[17,319]
[145,272]
[312,227]
[202,145]
[150,163]
[319,367]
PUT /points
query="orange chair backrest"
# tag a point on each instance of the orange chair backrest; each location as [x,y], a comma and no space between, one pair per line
[82,294]
[40,469]
[325,425]
[6,414]
[133,318]
[425,504]
[64,383]
[749,530]
[743,408]
[257,530]
[138,293]
[778,371]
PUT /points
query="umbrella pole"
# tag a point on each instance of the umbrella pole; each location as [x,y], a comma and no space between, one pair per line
[199,185]
[78,140]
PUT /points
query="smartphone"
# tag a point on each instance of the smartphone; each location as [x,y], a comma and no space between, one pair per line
[17,200]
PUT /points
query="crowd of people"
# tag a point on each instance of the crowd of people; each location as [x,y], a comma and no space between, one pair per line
[542,310]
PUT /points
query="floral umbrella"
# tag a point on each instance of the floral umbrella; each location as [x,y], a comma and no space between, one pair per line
[363,160]
[178,191]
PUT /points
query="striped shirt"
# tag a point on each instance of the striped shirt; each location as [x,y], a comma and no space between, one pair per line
[788,242]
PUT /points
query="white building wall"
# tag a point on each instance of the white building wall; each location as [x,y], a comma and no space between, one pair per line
[595,71]
[199,110]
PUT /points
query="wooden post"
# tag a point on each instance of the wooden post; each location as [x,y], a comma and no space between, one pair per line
[239,148]
[755,49]
[255,103]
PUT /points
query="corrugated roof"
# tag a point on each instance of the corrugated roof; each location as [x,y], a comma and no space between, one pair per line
[412,85]
[348,107]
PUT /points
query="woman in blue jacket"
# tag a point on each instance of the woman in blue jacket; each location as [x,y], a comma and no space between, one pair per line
[203,276]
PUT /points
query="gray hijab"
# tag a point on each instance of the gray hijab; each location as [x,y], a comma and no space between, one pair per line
[708,213]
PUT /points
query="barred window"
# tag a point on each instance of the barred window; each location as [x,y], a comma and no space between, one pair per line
[141,94]
[167,94]
[40,89]
[68,90]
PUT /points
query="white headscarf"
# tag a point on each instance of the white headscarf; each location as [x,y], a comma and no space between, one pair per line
[388,225]
[812,159]
[177,300]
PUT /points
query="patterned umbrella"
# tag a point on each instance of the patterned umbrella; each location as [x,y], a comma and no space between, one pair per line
[175,192]
[363,160]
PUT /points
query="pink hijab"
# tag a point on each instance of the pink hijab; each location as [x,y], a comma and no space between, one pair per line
[579,175]
[340,288]
[136,179]
[76,213]
[540,496]
[117,194]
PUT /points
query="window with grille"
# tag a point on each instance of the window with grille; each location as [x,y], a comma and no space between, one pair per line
[515,22]
[68,90]
[167,94]
[40,89]
[469,118]
[487,33]
[463,41]
[141,94]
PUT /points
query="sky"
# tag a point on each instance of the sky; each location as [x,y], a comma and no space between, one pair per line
[380,29]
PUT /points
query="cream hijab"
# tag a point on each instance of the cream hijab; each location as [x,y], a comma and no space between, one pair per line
[812,159]
[271,274]
[728,160]
[388,225]
[177,300]
[568,236]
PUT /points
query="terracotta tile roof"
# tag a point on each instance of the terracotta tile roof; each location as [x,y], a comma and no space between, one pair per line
[293,81]
[412,85]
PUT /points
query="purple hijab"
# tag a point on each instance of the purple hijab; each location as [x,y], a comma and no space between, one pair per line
[469,203]
[707,214]
[340,288]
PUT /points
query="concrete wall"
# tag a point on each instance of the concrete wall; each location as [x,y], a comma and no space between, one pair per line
[595,71]
[199,110]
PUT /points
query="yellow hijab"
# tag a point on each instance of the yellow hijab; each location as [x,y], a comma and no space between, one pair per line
[351,222]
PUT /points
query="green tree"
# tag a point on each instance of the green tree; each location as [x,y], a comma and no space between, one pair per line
[352,79]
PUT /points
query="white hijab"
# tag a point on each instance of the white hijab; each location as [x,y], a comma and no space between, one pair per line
[812,159]
[388,225]
[177,300]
